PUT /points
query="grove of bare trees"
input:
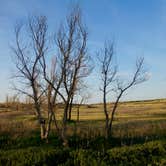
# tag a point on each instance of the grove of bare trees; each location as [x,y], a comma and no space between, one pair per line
[61,79]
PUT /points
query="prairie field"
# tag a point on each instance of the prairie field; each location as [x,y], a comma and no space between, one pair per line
[139,136]
[133,118]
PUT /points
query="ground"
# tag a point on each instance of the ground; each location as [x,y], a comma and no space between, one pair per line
[139,136]
[139,118]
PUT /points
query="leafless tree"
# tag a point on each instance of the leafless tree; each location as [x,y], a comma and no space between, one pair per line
[28,53]
[138,77]
[108,73]
[71,41]
[54,80]
[70,66]
[111,82]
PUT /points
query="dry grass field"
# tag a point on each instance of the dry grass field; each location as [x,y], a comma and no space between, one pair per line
[132,119]
[139,132]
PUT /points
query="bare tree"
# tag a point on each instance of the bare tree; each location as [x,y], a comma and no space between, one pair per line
[54,81]
[110,79]
[70,66]
[138,77]
[71,41]
[108,73]
[28,53]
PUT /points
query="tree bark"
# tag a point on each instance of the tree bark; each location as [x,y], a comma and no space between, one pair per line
[113,113]
[70,109]
[105,109]
[63,134]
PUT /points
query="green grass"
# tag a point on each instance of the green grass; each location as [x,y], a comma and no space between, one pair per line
[151,153]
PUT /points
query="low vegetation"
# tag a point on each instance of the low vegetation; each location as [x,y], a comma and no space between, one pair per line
[151,153]
[139,137]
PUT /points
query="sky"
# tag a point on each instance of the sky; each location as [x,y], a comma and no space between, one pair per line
[138,28]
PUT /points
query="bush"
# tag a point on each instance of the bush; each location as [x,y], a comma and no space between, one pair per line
[152,153]
[33,156]
[7,143]
[144,154]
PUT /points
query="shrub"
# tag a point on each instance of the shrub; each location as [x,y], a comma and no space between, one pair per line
[33,156]
[152,153]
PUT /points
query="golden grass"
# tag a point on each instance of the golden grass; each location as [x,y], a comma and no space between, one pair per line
[138,118]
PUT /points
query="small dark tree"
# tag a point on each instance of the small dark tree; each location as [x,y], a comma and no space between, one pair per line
[110,79]
[108,73]
[121,87]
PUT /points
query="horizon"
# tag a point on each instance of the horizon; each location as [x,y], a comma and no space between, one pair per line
[137,27]
[101,103]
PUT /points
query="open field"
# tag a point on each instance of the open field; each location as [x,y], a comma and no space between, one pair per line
[139,137]
[146,117]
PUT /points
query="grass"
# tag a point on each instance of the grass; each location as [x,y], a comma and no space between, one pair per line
[34,152]
[139,117]
[138,126]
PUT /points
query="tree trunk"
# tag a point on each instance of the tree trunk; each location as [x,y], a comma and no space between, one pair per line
[113,113]
[42,129]
[111,120]
[48,128]
[78,113]
[56,125]
[63,134]
[106,113]
[106,127]
[41,121]
[70,109]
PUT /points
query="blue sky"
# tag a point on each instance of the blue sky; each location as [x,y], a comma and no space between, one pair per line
[138,28]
